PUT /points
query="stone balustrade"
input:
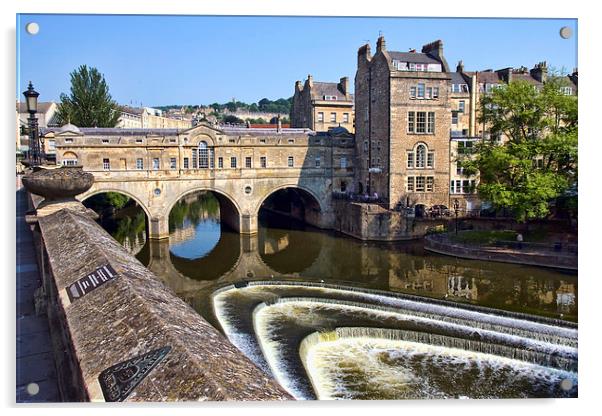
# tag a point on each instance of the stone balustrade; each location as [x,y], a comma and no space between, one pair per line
[121,335]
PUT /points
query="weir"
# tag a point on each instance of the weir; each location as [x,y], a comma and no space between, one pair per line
[289,318]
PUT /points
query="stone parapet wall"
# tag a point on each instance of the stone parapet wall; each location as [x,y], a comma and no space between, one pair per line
[122,313]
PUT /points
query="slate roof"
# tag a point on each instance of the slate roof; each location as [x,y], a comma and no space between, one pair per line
[457,78]
[415,57]
[114,131]
[43,107]
[320,89]
[488,77]
[227,130]
[525,77]
[130,110]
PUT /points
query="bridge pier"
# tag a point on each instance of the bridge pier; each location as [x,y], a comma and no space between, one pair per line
[158,228]
[248,224]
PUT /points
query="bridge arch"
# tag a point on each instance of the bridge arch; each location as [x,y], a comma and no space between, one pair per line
[103,190]
[305,190]
[230,210]
[311,210]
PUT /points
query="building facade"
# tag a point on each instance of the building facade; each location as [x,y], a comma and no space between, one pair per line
[321,106]
[403,118]
[149,118]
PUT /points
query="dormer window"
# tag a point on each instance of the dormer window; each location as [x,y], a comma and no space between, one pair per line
[68,140]
[459,87]
[330,98]
[566,90]
[105,141]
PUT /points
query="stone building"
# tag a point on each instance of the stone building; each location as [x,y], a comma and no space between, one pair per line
[320,106]
[467,89]
[403,119]
[149,118]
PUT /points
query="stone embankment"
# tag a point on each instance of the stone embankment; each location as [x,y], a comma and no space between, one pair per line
[120,334]
[529,254]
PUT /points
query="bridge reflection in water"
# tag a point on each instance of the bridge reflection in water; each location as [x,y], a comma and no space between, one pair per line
[204,260]
[202,255]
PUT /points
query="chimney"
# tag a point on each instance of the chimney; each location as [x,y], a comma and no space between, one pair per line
[310,80]
[460,67]
[364,54]
[344,86]
[574,76]
[435,49]
[540,72]
[380,44]
[298,86]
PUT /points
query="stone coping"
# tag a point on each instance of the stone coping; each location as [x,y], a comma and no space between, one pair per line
[436,244]
[133,315]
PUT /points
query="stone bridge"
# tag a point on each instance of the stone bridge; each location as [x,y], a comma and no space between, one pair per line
[242,167]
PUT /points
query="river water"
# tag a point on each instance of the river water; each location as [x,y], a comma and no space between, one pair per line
[331,317]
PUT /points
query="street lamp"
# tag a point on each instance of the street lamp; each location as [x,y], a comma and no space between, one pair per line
[456,208]
[31,100]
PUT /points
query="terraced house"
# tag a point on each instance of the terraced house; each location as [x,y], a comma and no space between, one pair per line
[321,106]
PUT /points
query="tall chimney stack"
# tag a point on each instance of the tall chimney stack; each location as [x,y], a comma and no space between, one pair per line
[344,86]
[380,44]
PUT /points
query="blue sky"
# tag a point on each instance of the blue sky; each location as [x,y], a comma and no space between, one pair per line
[162,60]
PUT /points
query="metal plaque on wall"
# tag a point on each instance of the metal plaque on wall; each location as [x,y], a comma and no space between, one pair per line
[90,282]
[118,381]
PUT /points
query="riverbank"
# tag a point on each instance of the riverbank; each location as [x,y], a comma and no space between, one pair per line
[556,255]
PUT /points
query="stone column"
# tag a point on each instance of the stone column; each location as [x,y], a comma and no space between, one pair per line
[158,227]
[248,224]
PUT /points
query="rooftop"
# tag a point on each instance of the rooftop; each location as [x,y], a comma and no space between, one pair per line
[320,89]
[43,107]
[227,130]
[415,57]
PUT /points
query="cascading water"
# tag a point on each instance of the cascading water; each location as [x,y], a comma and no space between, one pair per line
[365,363]
[271,320]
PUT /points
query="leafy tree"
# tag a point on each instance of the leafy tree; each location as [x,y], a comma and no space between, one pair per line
[538,162]
[117,200]
[233,120]
[89,103]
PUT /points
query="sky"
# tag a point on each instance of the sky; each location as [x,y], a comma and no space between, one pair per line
[165,60]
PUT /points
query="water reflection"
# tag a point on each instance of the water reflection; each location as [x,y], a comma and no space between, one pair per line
[202,255]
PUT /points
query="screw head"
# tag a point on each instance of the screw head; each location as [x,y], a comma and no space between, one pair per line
[566,32]
[32,28]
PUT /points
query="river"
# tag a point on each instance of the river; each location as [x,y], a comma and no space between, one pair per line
[332,317]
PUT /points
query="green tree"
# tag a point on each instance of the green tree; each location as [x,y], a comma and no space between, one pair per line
[233,120]
[116,199]
[538,162]
[89,104]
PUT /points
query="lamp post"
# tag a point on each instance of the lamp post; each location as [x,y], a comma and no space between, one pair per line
[456,208]
[31,100]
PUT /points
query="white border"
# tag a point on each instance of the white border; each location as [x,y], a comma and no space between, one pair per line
[589,290]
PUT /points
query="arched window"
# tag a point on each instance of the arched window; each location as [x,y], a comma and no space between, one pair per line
[69,159]
[420,156]
[203,155]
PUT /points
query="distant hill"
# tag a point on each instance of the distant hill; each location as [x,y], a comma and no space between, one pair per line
[281,106]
